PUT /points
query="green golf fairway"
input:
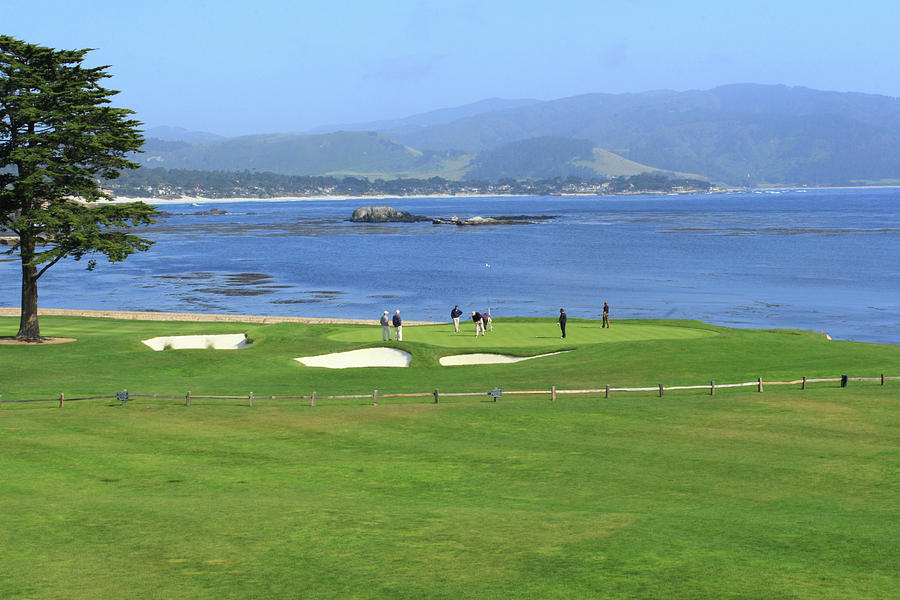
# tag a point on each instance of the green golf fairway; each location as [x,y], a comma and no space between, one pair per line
[787,493]
[518,333]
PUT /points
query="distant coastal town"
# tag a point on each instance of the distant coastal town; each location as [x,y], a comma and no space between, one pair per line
[163,184]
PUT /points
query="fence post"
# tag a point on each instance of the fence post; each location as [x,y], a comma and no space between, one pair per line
[251,398]
[759,387]
[712,387]
[124,397]
[313,403]
[844,381]
[437,396]
[882,381]
[607,390]
[552,393]
[187,398]
[660,390]
[375,398]
[1,400]
[803,383]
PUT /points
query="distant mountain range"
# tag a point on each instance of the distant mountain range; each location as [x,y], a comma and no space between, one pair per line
[434,117]
[743,134]
[180,134]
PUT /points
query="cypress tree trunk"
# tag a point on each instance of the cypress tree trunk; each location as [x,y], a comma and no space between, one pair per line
[29,328]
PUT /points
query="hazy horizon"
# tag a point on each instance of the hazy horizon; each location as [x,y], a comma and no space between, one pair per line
[235,69]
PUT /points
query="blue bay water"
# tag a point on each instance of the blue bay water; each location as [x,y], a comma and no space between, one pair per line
[815,260]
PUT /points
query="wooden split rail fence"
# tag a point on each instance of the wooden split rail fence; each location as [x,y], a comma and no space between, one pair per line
[553,392]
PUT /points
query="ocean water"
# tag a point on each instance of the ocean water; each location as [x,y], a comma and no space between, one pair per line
[822,260]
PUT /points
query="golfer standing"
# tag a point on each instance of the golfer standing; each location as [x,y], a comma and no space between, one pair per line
[385,327]
[605,315]
[562,322]
[455,314]
[398,327]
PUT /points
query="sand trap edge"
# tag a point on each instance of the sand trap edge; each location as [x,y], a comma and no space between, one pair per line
[354,359]
[227,341]
[481,358]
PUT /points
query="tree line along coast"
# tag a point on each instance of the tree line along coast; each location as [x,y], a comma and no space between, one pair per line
[161,183]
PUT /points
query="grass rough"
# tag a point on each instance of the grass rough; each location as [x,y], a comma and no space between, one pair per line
[784,494]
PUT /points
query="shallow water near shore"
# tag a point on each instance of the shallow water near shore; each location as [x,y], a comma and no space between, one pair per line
[807,259]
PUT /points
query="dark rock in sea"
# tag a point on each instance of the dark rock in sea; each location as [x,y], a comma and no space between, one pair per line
[501,220]
[524,217]
[212,211]
[384,214]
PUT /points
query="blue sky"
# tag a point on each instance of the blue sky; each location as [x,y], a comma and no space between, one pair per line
[267,65]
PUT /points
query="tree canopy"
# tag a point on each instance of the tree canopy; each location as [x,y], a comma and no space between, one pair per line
[58,138]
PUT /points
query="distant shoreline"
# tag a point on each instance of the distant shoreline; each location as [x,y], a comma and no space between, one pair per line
[195,317]
[207,200]
[203,199]
[853,187]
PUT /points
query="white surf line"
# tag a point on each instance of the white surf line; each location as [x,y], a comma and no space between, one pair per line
[367,357]
[489,359]
[228,341]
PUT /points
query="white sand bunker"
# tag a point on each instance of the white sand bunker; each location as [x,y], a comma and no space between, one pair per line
[230,341]
[368,357]
[489,359]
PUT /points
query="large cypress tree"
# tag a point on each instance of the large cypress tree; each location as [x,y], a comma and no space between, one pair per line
[58,139]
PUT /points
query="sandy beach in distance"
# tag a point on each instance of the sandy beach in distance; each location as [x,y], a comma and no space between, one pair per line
[202,200]
[196,317]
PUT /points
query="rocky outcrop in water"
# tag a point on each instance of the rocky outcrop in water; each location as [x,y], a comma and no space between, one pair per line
[384,214]
[387,214]
[500,220]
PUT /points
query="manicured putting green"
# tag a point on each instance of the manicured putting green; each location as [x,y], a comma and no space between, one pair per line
[521,334]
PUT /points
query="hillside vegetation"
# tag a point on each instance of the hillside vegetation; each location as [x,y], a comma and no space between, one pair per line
[548,157]
[341,153]
[740,134]
[371,155]
[743,135]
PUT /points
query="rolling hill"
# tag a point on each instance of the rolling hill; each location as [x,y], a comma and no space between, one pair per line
[366,154]
[740,134]
[433,117]
[372,155]
[548,157]
[744,134]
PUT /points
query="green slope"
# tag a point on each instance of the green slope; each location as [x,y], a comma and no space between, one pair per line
[781,494]
[341,153]
[743,134]
[366,154]
[740,134]
[547,157]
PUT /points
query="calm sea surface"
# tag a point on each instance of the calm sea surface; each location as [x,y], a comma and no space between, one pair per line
[815,260]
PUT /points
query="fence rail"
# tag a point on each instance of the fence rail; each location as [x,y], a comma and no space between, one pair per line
[124,396]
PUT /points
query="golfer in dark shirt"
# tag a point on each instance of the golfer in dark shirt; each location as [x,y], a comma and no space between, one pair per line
[562,322]
[398,326]
[455,314]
